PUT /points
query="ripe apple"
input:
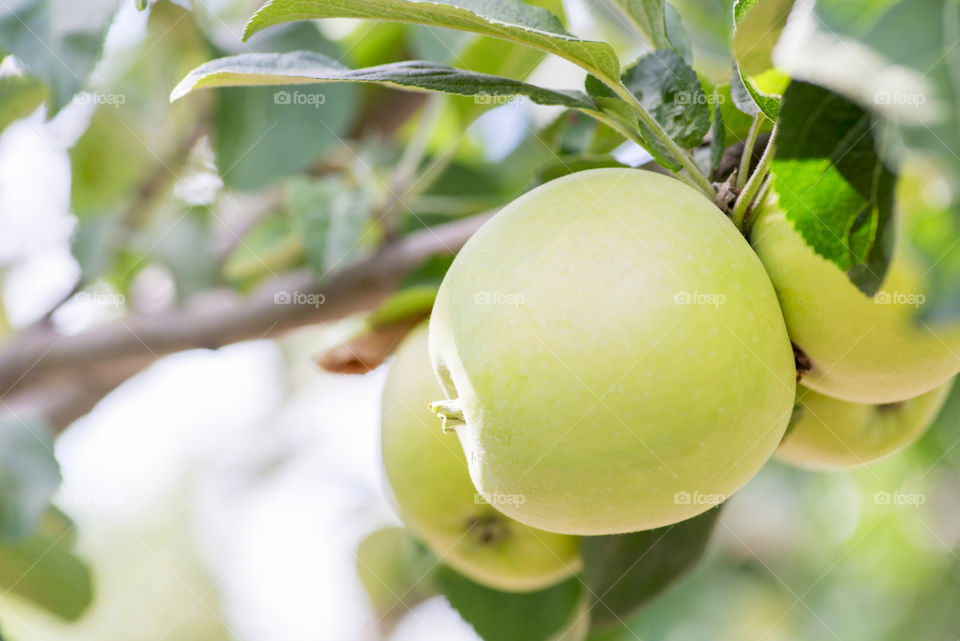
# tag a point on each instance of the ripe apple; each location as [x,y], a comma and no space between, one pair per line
[826,432]
[862,349]
[613,353]
[427,472]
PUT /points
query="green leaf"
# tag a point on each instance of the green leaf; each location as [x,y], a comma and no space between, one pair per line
[516,616]
[42,569]
[757,27]
[305,67]
[620,111]
[832,184]
[499,58]
[136,143]
[19,97]
[29,475]
[670,90]
[718,131]
[904,68]
[677,35]
[59,41]
[106,165]
[736,121]
[648,17]
[262,135]
[624,571]
[435,43]
[93,245]
[511,20]
[330,217]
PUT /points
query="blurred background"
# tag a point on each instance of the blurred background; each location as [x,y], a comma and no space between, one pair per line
[221,494]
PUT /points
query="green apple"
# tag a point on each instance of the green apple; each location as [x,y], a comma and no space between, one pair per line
[826,432]
[861,349]
[613,354]
[427,472]
[396,572]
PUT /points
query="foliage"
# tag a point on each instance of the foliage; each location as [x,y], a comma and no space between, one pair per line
[316,149]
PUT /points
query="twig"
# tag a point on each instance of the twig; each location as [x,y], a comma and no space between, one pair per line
[41,358]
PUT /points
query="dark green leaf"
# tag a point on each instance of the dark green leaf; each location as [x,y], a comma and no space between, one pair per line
[511,20]
[29,475]
[264,134]
[516,616]
[624,571]
[832,184]
[59,41]
[304,67]
[577,134]
[670,90]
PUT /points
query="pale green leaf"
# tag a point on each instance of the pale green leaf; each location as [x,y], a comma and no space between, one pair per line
[511,20]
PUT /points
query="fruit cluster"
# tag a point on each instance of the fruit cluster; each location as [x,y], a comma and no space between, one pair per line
[633,363]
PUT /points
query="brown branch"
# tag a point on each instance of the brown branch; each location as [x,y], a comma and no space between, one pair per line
[100,359]
[368,349]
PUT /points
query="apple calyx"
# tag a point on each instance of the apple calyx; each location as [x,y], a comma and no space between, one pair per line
[489,529]
[450,413]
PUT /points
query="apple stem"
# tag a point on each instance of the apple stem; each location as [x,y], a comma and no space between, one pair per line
[744,170]
[756,180]
[450,413]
